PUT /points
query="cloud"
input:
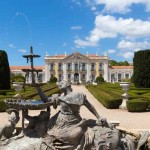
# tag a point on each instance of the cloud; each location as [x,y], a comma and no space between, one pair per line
[119,6]
[111,27]
[133,45]
[64,44]
[77,2]
[22,50]
[11,45]
[76,28]
[109,51]
[127,55]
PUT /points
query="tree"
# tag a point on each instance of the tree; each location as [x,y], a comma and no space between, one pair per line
[53,80]
[141,63]
[99,79]
[4,71]
[121,63]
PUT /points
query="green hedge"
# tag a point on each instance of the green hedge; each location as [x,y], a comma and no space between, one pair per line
[108,98]
[2,106]
[137,105]
[113,103]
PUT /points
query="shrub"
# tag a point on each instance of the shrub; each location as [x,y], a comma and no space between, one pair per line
[2,106]
[113,103]
[141,65]
[4,71]
[99,79]
[137,105]
[53,80]
[18,78]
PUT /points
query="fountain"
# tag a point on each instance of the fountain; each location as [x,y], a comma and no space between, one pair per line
[125,86]
[23,104]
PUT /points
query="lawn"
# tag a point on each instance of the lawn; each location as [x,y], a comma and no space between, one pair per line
[109,94]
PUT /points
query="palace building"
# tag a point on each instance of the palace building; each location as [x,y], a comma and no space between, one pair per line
[77,67]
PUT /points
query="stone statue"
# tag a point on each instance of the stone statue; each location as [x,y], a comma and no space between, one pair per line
[66,130]
[37,124]
[7,130]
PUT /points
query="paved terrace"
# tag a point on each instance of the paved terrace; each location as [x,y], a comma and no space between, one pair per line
[126,119]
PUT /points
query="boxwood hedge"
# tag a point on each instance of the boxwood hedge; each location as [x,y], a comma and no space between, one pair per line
[137,105]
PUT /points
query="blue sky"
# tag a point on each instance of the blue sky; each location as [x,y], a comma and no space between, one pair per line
[116,28]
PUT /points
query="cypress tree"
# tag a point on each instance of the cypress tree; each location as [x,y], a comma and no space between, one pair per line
[141,63]
[4,71]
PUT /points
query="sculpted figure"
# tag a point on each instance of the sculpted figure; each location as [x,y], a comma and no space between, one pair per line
[37,124]
[67,130]
[7,130]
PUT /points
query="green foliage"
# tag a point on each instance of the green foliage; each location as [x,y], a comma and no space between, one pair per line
[18,78]
[105,94]
[99,79]
[122,63]
[4,71]
[3,106]
[53,80]
[141,63]
[137,105]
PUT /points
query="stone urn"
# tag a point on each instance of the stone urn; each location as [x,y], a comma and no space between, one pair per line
[125,86]
[18,86]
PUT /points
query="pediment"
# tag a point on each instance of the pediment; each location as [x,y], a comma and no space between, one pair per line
[76,56]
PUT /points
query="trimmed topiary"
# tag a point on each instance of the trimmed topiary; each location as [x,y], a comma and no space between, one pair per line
[113,103]
[141,65]
[99,79]
[53,80]
[4,71]
[137,105]
[3,106]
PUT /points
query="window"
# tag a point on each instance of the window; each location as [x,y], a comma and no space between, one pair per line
[101,66]
[126,76]
[92,66]
[69,66]
[83,67]
[60,67]
[51,67]
[60,77]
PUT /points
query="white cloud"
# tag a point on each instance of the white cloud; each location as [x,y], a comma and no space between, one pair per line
[64,44]
[11,45]
[111,27]
[133,46]
[119,6]
[76,28]
[77,2]
[22,50]
[109,51]
[127,55]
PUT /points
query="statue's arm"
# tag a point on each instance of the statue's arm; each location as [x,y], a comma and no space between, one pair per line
[41,93]
[91,108]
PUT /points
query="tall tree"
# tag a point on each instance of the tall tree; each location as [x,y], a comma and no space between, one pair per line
[141,63]
[4,71]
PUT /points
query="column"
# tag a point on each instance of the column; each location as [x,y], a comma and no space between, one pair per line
[47,72]
[79,78]
[56,70]
[106,71]
[97,69]
[64,71]
[88,72]
[73,66]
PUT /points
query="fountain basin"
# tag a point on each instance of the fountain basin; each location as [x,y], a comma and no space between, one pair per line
[22,104]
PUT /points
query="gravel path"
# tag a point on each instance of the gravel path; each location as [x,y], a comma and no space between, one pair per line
[126,119]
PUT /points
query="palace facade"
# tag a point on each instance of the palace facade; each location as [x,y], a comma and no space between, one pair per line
[77,67]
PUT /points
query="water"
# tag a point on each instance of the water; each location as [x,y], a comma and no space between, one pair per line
[31,102]
[27,20]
